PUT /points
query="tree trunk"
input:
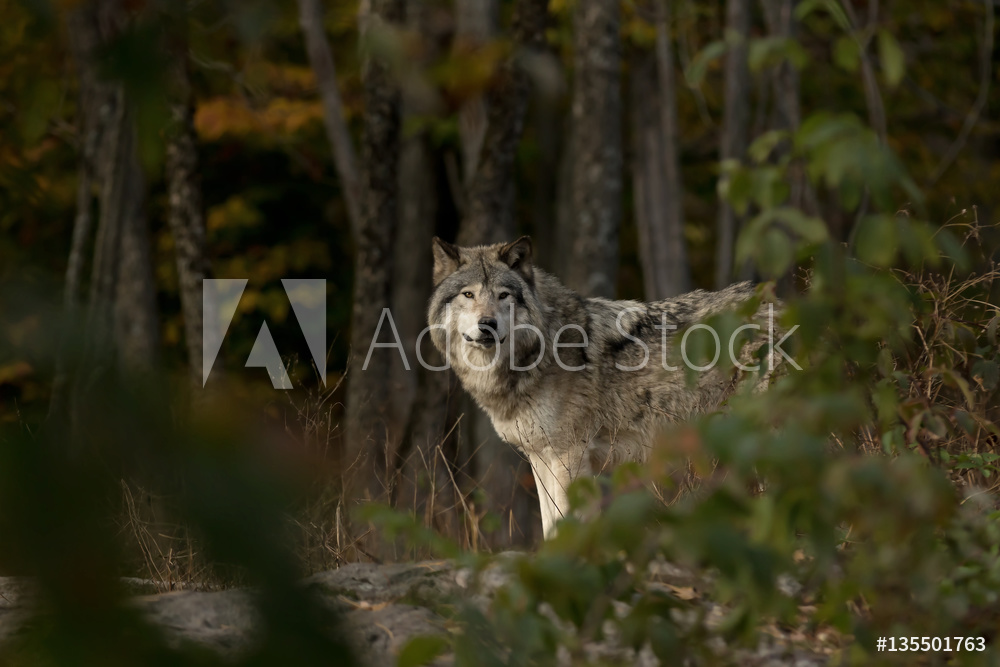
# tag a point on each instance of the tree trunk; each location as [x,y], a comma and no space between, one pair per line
[137,327]
[490,218]
[321,61]
[489,215]
[596,179]
[365,435]
[734,128]
[658,192]
[83,43]
[565,230]
[187,216]
[780,17]
[420,400]
[475,26]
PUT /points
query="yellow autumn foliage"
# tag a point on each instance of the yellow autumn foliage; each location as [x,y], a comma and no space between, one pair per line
[235,212]
[281,117]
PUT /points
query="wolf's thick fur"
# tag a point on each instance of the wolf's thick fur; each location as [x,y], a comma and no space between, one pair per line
[573,414]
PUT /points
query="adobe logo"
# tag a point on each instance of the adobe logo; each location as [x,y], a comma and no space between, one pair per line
[221,297]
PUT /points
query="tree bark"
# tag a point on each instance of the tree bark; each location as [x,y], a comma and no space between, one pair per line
[734,128]
[780,18]
[137,326]
[186,216]
[365,435]
[661,241]
[475,26]
[489,216]
[596,179]
[83,43]
[421,400]
[321,60]
[658,191]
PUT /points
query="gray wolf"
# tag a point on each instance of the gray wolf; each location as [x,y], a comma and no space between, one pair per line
[576,384]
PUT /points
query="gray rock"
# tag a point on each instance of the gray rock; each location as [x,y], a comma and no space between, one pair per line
[224,621]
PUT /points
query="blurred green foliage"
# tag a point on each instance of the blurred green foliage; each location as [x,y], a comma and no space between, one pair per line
[878,460]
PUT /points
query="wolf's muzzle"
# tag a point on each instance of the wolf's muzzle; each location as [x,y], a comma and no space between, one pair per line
[488,329]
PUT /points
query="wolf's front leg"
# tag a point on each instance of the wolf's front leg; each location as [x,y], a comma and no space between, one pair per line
[553,475]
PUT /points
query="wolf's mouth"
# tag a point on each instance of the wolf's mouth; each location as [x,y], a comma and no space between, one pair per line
[486,341]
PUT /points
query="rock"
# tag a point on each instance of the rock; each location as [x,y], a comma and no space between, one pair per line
[428,582]
[225,620]
[378,634]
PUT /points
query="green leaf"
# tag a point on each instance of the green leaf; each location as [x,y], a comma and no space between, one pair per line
[809,229]
[695,72]
[806,7]
[953,379]
[876,240]
[774,255]
[763,145]
[421,650]
[846,54]
[991,330]
[892,57]
[772,51]
[987,373]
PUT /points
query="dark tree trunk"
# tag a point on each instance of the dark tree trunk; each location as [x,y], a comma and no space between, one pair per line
[137,327]
[421,398]
[121,327]
[780,17]
[734,128]
[658,191]
[547,123]
[566,228]
[489,216]
[84,40]
[596,177]
[187,216]
[366,440]
[475,26]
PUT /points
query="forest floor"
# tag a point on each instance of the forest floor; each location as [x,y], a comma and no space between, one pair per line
[383,606]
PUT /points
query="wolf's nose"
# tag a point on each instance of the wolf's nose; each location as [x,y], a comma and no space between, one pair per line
[488,325]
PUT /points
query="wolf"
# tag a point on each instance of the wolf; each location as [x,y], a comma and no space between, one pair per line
[576,384]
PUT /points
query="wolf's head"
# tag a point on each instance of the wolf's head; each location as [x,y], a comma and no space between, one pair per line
[480,293]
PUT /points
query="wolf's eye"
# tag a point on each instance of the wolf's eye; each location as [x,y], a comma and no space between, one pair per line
[504,295]
[467,295]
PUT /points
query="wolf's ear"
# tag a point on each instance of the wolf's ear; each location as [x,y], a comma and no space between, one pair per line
[445,260]
[517,256]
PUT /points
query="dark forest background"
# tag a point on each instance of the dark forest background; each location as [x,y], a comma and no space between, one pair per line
[844,150]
